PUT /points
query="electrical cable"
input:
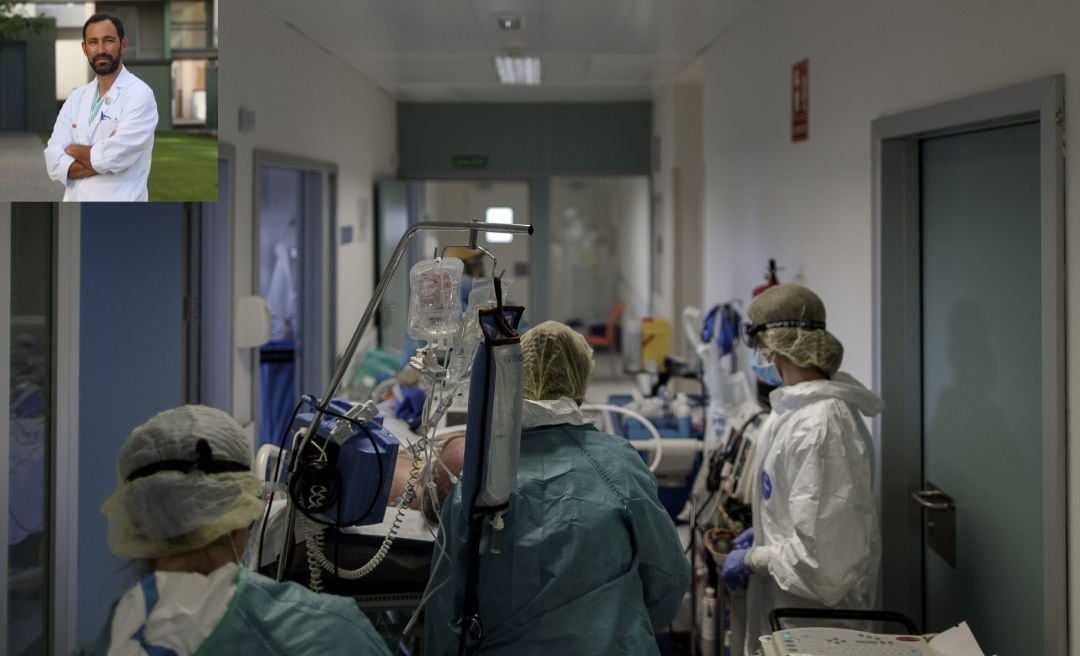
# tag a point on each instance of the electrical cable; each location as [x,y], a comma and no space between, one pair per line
[274,480]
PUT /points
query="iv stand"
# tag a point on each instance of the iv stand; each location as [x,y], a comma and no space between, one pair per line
[474,228]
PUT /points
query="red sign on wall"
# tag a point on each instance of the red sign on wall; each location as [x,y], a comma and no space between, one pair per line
[800,101]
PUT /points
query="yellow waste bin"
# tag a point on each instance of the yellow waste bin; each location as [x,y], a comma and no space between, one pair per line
[655,343]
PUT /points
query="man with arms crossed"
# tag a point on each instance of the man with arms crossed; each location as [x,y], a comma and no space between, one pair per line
[102,140]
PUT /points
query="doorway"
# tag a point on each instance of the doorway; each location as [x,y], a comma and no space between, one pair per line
[970,360]
[13,82]
[294,220]
[601,228]
[401,204]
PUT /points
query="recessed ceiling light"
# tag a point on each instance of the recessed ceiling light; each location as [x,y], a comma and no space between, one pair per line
[518,70]
[509,22]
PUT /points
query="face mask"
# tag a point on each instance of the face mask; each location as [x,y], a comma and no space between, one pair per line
[766,371]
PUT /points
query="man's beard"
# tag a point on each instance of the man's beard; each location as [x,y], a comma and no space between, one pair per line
[106,67]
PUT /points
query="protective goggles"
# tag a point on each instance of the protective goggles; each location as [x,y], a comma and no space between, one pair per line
[751,331]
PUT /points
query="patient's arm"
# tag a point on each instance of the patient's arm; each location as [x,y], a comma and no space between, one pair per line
[452,455]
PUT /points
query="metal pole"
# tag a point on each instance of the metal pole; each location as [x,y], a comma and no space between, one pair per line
[472,227]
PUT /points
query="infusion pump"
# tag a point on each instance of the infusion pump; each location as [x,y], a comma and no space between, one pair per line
[842,642]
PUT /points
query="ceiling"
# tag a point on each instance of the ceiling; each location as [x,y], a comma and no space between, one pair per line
[443,50]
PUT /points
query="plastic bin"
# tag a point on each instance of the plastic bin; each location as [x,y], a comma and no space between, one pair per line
[655,343]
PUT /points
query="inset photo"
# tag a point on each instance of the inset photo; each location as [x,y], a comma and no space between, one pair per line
[108,101]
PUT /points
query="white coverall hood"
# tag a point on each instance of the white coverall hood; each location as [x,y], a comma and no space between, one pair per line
[842,387]
[817,539]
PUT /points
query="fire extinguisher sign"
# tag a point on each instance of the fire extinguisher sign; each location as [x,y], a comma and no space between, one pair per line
[800,101]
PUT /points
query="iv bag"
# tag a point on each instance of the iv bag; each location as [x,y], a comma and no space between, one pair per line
[435,299]
[482,297]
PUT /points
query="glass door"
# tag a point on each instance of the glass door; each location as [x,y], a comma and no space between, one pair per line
[30,429]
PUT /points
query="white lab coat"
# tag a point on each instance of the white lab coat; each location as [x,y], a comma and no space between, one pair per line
[121,137]
[817,539]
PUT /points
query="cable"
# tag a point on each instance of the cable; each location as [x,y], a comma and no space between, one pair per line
[277,473]
[298,476]
[313,540]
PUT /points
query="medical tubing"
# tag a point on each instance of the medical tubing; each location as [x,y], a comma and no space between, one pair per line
[365,319]
[273,481]
[433,499]
[618,409]
[443,555]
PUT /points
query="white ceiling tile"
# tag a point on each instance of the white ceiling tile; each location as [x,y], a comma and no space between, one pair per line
[621,68]
[443,49]
[564,68]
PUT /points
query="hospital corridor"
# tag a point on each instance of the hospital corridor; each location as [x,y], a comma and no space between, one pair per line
[513,327]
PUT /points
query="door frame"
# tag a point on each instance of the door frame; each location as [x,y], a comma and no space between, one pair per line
[318,292]
[897,332]
[210,234]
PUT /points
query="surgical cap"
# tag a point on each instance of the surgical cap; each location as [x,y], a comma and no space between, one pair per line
[807,343]
[557,362]
[185,480]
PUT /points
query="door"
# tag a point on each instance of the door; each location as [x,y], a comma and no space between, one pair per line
[982,385]
[392,221]
[970,358]
[30,430]
[13,82]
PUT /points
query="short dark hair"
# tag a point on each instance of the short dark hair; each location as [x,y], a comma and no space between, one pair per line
[97,18]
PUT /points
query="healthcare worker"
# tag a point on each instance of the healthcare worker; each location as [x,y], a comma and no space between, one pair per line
[816,541]
[102,140]
[589,560]
[186,499]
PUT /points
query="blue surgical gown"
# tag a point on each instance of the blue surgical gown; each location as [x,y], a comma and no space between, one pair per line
[283,619]
[590,561]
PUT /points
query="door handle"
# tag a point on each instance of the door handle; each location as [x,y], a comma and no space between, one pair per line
[933,500]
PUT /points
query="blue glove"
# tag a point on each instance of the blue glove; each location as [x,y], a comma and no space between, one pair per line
[736,571]
[745,539]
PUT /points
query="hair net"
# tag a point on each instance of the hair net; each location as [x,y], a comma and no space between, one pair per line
[557,362]
[804,346]
[185,480]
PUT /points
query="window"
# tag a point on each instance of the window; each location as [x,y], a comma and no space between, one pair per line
[144,27]
[499,215]
[190,24]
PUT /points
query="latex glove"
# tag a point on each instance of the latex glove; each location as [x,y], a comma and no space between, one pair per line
[745,539]
[736,571]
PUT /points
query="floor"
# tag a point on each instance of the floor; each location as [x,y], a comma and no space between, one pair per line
[22,170]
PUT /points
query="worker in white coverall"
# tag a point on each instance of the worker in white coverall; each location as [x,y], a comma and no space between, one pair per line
[816,538]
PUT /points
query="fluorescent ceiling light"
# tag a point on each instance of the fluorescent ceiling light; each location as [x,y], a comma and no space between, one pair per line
[518,70]
[499,215]
[509,22]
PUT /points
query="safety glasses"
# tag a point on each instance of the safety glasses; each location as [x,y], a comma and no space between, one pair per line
[751,331]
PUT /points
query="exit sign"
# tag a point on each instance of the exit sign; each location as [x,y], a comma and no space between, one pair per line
[469,161]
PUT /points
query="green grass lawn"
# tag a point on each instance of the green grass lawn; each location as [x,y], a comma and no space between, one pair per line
[183,168]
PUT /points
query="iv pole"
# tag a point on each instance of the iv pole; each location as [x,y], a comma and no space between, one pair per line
[474,228]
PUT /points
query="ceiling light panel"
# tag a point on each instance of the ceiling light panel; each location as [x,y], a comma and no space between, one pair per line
[518,70]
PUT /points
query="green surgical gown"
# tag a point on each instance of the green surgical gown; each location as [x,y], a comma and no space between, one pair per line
[590,561]
[279,619]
